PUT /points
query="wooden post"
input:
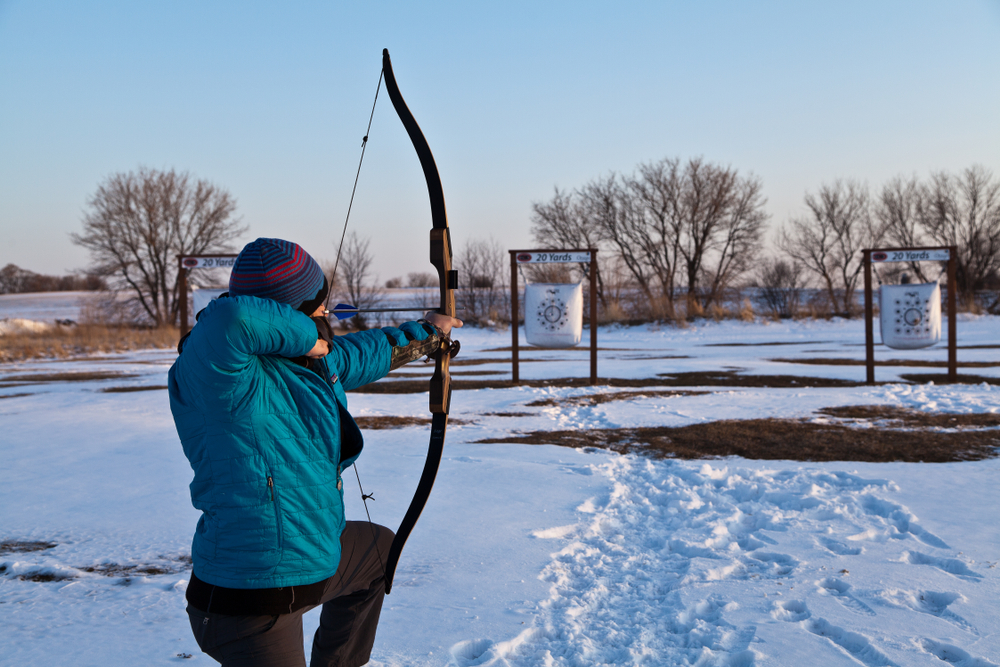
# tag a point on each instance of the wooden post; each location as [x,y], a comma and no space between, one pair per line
[182,289]
[515,370]
[593,316]
[952,328]
[869,334]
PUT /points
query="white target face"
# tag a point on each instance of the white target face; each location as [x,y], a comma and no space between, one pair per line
[910,315]
[553,314]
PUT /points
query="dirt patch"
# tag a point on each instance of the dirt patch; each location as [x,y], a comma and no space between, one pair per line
[383,423]
[942,378]
[124,390]
[891,416]
[732,378]
[723,378]
[14,395]
[768,344]
[44,577]
[919,363]
[599,399]
[507,414]
[117,570]
[772,439]
[581,348]
[69,376]
[22,547]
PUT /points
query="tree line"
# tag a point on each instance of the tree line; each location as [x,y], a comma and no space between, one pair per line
[682,235]
[678,239]
[15,280]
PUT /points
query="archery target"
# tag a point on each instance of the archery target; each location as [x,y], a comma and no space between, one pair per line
[553,314]
[910,315]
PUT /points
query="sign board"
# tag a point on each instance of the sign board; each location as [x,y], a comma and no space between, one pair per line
[208,262]
[936,255]
[552,257]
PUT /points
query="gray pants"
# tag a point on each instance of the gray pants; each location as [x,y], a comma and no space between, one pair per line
[351,605]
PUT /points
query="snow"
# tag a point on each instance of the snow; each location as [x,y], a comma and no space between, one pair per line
[534,554]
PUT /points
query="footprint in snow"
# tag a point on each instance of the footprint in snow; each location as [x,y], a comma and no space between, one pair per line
[929,602]
[952,566]
[953,654]
[839,548]
[855,645]
[902,520]
[476,653]
[790,610]
[841,591]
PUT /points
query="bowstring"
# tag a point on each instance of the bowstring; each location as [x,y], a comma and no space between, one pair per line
[333,279]
[364,145]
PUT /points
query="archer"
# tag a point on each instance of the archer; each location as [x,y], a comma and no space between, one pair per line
[258,399]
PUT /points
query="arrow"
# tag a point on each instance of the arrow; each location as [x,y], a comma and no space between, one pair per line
[343,310]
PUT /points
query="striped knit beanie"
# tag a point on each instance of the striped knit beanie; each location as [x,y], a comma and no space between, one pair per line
[278,270]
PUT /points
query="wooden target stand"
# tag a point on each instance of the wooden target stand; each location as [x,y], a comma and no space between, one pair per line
[585,256]
[920,254]
[188,262]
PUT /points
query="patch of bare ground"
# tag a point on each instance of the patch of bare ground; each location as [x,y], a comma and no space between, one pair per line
[506,414]
[84,339]
[69,376]
[689,379]
[388,422]
[891,416]
[124,390]
[833,361]
[582,348]
[768,344]
[599,399]
[774,439]
[14,395]
[942,378]
[22,547]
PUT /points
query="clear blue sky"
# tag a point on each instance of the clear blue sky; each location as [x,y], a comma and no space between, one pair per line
[270,101]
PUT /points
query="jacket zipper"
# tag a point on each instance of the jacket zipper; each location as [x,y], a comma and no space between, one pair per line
[270,487]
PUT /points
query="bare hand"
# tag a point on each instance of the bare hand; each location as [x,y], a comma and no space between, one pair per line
[443,322]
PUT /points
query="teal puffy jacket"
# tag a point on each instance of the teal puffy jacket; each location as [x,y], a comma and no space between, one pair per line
[265,438]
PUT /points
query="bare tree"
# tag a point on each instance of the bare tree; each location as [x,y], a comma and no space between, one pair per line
[828,241]
[483,297]
[899,213]
[671,224]
[137,224]
[781,285]
[964,211]
[564,223]
[721,216]
[355,282]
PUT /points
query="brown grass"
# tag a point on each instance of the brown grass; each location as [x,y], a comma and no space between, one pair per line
[723,378]
[774,439]
[599,399]
[69,376]
[920,363]
[84,339]
[890,416]
[20,547]
[123,390]
[14,395]
[390,422]
[942,378]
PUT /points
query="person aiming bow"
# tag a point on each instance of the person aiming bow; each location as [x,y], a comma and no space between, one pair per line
[258,398]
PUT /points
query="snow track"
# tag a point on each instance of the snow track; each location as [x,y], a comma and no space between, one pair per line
[681,562]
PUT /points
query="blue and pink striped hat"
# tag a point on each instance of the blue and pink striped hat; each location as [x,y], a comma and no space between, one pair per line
[278,270]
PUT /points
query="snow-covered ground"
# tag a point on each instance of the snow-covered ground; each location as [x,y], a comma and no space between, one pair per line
[534,554]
